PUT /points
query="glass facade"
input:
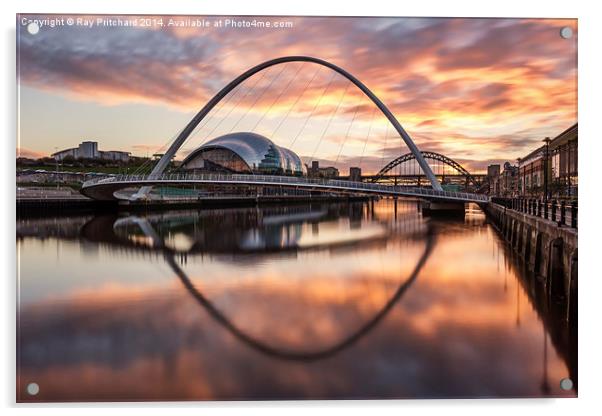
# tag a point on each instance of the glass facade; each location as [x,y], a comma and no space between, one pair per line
[272,162]
[561,164]
[218,160]
[531,172]
[564,168]
[244,152]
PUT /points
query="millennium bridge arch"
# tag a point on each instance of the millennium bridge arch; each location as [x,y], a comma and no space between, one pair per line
[426,155]
[187,131]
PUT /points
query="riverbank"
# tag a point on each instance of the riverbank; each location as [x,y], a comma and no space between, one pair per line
[548,248]
[68,204]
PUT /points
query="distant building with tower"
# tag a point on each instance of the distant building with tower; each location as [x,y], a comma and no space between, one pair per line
[328,172]
[493,177]
[355,174]
[493,171]
[508,181]
[89,150]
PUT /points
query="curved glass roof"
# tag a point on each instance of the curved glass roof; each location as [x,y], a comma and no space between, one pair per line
[260,153]
[292,162]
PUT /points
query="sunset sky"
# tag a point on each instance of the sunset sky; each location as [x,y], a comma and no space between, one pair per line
[477,90]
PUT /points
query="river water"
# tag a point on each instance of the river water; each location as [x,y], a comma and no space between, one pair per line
[320,301]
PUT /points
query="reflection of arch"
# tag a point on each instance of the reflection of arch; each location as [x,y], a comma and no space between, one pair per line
[274,351]
[295,355]
[427,155]
[183,136]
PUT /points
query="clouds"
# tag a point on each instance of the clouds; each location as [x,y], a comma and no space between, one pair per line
[117,65]
[508,44]
[31,154]
[442,78]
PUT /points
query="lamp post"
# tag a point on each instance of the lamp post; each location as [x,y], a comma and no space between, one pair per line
[519,185]
[56,161]
[545,169]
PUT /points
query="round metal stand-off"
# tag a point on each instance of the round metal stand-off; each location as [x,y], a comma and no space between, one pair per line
[566,384]
[566,32]
[33,389]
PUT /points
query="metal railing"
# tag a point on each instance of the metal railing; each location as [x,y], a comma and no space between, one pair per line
[286,180]
[562,212]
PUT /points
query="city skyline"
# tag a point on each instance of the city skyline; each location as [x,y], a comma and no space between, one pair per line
[480,91]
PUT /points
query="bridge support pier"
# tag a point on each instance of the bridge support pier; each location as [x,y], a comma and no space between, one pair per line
[447,208]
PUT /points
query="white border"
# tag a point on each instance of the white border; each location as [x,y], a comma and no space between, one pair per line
[589,114]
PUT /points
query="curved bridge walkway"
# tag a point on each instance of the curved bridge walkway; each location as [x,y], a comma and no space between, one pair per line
[105,188]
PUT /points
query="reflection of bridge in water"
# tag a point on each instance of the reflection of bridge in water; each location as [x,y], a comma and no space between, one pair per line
[300,355]
[115,234]
[156,244]
[258,232]
[410,226]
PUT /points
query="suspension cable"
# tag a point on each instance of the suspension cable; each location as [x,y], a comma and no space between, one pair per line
[296,101]
[313,109]
[385,144]
[278,97]
[197,130]
[235,106]
[368,135]
[336,110]
[230,98]
[347,134]
[259,97]
[147,162]
[215,115]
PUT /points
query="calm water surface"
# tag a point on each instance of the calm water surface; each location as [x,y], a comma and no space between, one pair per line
[351,300]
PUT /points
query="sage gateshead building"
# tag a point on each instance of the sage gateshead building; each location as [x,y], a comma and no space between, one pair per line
[244,152]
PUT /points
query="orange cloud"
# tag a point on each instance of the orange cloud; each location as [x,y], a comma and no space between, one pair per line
[461,86]
[31,154]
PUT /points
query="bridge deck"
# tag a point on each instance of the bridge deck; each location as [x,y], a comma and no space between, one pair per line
[104,188]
